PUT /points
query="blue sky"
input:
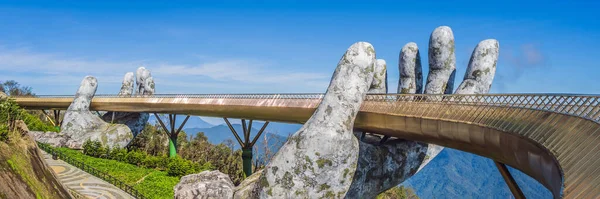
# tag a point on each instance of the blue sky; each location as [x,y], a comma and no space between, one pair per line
[287,46]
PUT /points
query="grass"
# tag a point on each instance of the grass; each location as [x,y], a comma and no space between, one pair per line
[155,183]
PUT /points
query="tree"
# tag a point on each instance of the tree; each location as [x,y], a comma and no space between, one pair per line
[13,88]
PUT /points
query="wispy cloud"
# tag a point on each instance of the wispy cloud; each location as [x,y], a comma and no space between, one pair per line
[45,69]
[518,62]
[528,56]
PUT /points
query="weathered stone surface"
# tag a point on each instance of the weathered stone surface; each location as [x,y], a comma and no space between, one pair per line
[320,159]
[442,62]
[3,95]
[141,75]
[249,188]
[379,83]
[55,139]
[482,67]
[381,167]
[411,73]
[207,184]
[135,121]
[80,124]
[127,86]
[149,86]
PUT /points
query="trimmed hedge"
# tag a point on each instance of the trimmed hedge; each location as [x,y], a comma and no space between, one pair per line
[174,166]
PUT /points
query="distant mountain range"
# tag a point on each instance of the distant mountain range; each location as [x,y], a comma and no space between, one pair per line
[220,133]
[452,174]
[193,122]
[457,174]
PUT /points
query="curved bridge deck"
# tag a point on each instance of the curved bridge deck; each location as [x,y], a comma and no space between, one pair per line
[552,138]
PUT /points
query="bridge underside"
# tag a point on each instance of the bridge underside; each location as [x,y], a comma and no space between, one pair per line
[554,148]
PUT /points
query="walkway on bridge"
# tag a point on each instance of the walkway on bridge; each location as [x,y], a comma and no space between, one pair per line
[82,182]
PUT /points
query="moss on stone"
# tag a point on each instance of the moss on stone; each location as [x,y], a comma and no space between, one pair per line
[263,181]
[323,187]
[307,159]
[287,180]
[370,50]
[329,194]
[321,162]
[328,110]
[405,90]
[346,170]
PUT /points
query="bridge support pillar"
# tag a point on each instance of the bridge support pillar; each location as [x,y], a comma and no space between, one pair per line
[172,132]
[55,120]
[510,181]
[246,144]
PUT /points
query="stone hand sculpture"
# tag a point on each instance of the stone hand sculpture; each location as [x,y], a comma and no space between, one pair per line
[383,166]
[328,158]
[145,86]
[79,124]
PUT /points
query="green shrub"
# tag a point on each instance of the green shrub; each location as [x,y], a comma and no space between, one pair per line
[87,147]
[35,124]
[151,183]
[135,157]
[9,110]
[150,162]
[103,152]
[3,132]
[118,154]
[180,167]
[163,162]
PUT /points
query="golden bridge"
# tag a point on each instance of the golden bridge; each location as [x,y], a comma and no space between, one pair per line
[553,138]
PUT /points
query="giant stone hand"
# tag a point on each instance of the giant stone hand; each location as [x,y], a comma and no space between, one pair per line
[79,124]
[325,159]
[383,166]
[145,86]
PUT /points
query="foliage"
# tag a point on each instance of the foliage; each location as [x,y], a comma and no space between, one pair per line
[34,123]
[118,154]
[152,183]
[180,167]
[135,157]
[95,149]
[398,192]
[198,150]
[175,166]
[13,88]
[157,185]
[10,112]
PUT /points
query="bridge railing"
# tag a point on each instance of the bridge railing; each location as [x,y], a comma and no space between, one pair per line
[585,106]
[91,170]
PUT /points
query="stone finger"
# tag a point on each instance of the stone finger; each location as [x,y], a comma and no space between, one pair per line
[411,74]
[482,68]
[442,62]
[310,163]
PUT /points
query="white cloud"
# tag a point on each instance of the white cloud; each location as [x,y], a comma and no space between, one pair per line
[46,69]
